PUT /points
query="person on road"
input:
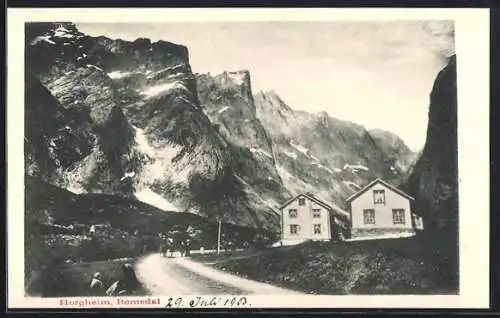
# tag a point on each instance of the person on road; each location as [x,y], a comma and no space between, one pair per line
[188,247]
[96,285]
[163,249]
[117,288]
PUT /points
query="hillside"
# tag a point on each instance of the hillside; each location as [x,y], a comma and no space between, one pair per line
[57,224]
[392,267]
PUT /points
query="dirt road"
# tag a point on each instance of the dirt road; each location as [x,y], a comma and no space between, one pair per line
[181,276]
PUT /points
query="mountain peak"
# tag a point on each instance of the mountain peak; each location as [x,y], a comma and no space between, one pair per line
[239,77]
[323,114]
[38,31]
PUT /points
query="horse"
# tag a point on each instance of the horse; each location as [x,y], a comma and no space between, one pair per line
[163,249]
[169,246]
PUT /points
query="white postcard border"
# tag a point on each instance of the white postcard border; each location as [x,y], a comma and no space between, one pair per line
[472,46]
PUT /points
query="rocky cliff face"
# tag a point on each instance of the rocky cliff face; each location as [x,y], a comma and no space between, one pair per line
[145,134]
[294,151]
[321,154]
[398,152]
[131,119]
[228,101]
[434,179]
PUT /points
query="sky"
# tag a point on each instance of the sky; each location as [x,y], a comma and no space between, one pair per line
[377,74]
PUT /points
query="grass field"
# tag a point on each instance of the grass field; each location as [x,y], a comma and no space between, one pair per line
[418,265]
[74,279]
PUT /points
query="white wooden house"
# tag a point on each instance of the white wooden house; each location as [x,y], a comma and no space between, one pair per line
[380,209]
[306,217]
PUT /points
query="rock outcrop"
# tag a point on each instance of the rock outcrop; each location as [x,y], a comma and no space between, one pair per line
[434,179]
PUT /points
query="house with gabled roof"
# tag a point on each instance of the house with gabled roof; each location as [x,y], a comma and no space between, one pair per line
[307,217]
[380,209]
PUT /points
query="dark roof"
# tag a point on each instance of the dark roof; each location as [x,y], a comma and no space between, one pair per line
[327,206]
[371,184]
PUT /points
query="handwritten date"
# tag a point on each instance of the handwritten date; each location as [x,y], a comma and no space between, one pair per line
[179,302]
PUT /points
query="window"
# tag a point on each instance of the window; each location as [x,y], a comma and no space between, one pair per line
[317,228]
[379,196]
[302,201]
[294,229]
[369,216]
[292,213]
[398,216]
[316,213]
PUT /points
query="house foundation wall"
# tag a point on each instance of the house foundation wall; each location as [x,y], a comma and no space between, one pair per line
[374,232]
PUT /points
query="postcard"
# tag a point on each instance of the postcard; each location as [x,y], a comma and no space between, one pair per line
[248,158]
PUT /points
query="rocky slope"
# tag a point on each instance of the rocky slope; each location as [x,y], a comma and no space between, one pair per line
[134,109]
[434,179]
[398,152]
[57,224]
[321,154]
[297,151]
[228,101]
[131,119]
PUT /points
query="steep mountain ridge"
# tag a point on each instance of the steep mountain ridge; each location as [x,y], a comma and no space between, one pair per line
[340,156]
[228,101]
[151,138]
[146,127]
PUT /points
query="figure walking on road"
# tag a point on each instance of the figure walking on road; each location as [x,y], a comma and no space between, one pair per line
[96,285]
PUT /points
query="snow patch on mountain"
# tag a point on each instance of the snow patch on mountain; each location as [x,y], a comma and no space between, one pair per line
[62,32]
[290,154]
[176,74]
[148,196]
[159,89]
[323,167]
[223,109]
[160,164]
[143,143]
[152,75]
[128,175]
[94,67]
[237,78]
[261,151]
[118,74]
[303,150]
[315,158]
[355,167]
[289,180]
[352,184]
[300,148]
[45,38]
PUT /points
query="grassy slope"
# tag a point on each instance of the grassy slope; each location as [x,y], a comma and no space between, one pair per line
[416,265]
[131,229]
